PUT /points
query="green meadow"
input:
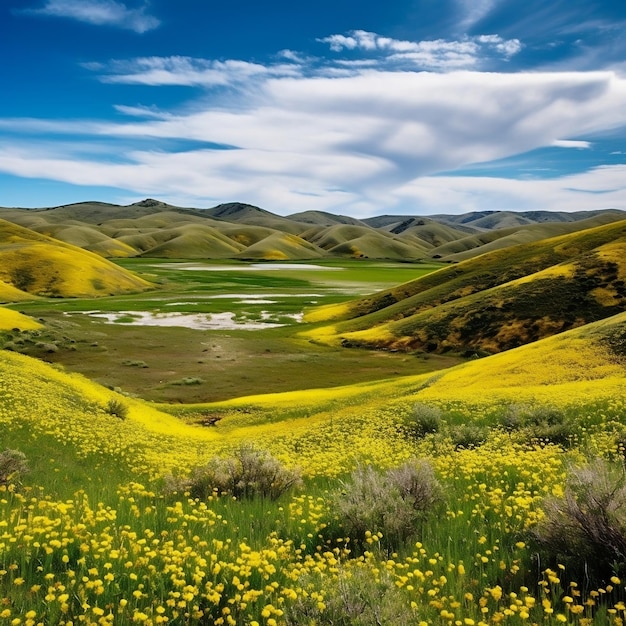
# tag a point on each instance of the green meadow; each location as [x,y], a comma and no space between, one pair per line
[185,364]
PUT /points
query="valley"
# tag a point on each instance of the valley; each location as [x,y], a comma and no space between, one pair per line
[214,331]
[194,430]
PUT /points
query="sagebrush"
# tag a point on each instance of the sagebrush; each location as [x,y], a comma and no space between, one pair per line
[249,472]
[392,503]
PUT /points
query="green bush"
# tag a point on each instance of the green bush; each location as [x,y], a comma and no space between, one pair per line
[116,408]
[467,435]
[543,423]
[13,465]
[392,503]
[134,363]
[585,529]
[188,380]
[423,420]
[519,415]
[248,473]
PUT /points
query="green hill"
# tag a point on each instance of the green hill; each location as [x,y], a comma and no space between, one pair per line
[493,302]
[362,241]
[150,228]
[321,218]
[281,247]
[248,214]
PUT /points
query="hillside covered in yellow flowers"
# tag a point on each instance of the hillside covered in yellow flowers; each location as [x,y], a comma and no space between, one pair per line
[487,492]
[493,302]
[40,265]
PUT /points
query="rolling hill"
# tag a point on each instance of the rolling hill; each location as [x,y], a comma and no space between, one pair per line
[357,241]
[493,302]
[281,247]
[151,228]
[39,265]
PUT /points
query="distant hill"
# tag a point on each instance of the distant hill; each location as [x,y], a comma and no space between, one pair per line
[151,228]
[493,302]
[248,214]
[320,218]
[473,245]
[490,220]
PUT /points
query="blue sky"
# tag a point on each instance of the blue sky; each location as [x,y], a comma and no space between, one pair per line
[348,106]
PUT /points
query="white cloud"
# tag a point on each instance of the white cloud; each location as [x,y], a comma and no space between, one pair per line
[472,11]
[437,54]
[189,71]
[100,13]
[141,111]
[568,143]
[602,187]
[362,141]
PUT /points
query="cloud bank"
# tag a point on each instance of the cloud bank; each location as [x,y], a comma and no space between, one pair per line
[312,134]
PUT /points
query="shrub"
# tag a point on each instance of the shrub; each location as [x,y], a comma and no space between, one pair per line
[188,380]
[562,433]
[541,422]
[586,528]
[249,472]
[423,420]
[467,436]
[13,465]
[392,503]
[354,599]
[132,363]
[519,415]
[116,408]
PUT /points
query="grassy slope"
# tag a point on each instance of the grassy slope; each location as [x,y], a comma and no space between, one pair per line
[281,247]
[8,293]
[68,412]
[362,241]
[86,237]
[581,365]
[474,245]
[11,320]
[41,265]
[496,301]
[80,554]
[192,241]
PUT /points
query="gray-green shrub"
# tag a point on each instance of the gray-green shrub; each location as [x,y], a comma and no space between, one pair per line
[467,435]
[248,473]
[354,599]
[423,419]
[585,529]
[392,502]
[13,465]
[543,423]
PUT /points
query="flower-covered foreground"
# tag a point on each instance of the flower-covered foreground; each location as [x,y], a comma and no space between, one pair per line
[93,535]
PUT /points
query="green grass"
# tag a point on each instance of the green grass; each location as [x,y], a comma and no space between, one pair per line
[229,363]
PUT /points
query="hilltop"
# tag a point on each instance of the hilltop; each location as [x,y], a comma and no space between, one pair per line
[151,228]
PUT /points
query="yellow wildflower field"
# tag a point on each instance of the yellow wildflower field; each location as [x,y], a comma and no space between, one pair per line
[140,553]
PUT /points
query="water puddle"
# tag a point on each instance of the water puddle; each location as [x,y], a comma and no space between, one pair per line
[200,267]
[197,321]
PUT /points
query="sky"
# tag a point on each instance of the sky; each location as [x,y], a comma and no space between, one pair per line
[354,107]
